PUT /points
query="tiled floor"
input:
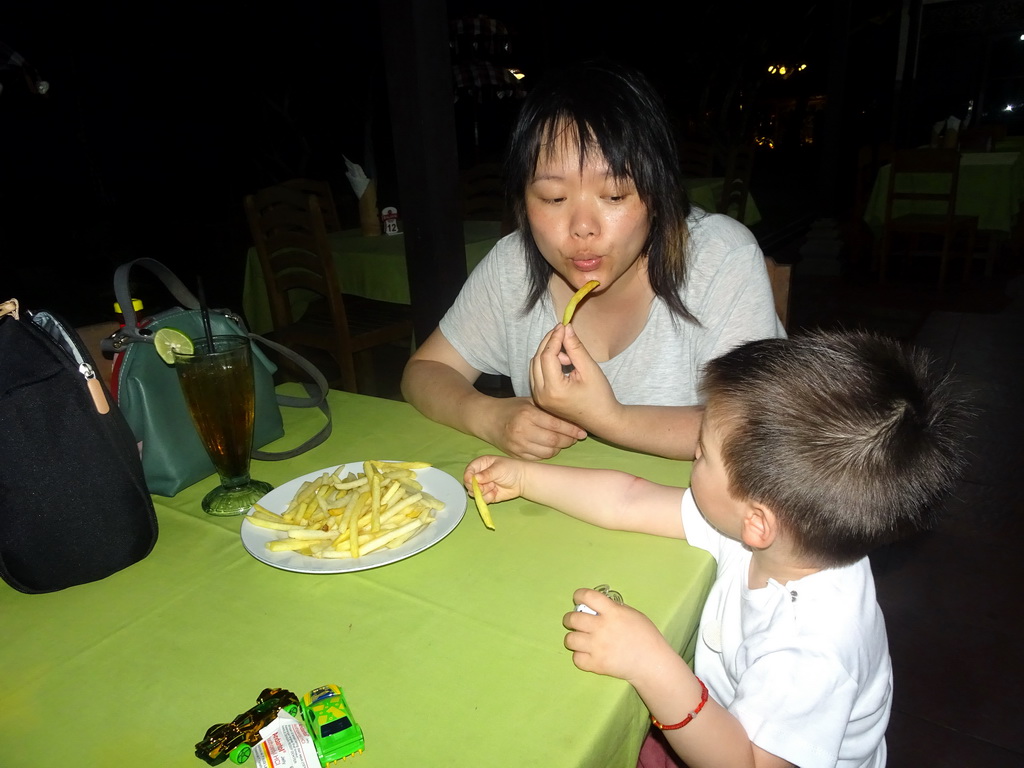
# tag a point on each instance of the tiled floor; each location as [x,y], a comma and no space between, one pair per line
[952,598]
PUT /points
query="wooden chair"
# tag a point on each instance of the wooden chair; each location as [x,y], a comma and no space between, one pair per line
[697,159]
[938,171]
[736,185]
[324,195]
[780,276]
[856,232]
[288,231]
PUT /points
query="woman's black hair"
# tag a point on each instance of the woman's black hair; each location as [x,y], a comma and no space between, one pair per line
[616,112]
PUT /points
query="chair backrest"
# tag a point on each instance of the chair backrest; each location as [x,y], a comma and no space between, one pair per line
[697,159]
[483,192]
[482,188]
[325,197]
[943,168]
[780,276]
[288,232]
[864,179]
[736,185]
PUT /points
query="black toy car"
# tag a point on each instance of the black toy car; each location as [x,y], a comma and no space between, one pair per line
[235,739]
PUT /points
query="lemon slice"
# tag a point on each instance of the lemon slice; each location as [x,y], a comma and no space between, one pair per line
[170,340]
[481,505]
[576,299]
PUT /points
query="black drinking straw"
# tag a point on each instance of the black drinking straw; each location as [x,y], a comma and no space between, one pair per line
[205,312]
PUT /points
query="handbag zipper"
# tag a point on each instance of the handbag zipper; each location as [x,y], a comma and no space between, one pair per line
[58,334]
[99,399]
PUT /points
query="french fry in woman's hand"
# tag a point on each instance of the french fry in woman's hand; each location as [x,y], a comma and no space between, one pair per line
[577,297]
[481,505]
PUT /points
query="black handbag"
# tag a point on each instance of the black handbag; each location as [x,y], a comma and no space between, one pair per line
[74,506]
[150,397]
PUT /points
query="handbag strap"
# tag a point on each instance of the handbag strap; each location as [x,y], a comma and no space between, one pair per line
[123,293]
[317,398]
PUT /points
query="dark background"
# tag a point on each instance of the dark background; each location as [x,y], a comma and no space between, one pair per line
[160,119]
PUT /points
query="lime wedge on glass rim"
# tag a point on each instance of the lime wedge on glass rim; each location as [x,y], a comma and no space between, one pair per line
[170,340]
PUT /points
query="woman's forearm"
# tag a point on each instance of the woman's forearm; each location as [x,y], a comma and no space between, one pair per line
[663,430]
[442,394]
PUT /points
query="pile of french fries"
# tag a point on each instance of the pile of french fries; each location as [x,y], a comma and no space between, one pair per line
[351,516]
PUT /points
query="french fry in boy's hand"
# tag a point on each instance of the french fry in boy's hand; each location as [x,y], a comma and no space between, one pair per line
[481,505]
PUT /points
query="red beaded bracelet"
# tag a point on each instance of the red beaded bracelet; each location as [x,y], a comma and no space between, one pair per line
[689,717]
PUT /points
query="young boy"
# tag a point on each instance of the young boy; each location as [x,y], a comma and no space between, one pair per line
[813,451]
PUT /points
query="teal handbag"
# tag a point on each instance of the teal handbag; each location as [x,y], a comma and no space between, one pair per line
[149,396]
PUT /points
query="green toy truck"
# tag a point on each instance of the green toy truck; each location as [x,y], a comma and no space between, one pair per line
[326,715]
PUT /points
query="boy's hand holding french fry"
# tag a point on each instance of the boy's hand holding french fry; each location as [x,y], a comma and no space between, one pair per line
[500,478]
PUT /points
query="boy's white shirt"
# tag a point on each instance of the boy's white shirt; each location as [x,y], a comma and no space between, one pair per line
[804,666]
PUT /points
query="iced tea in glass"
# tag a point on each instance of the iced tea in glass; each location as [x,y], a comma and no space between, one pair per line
[220,394]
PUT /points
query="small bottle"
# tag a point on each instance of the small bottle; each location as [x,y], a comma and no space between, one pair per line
[136,305]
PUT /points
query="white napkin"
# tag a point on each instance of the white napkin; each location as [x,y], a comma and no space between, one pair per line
[287,745]
[356,177]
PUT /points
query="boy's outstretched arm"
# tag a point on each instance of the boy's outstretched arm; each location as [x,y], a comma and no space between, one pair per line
[621,642]
[603,497]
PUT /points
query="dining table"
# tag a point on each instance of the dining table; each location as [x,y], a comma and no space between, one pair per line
[450,656]
[372,267]
[990,186]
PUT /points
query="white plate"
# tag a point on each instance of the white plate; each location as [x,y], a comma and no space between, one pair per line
[438,484]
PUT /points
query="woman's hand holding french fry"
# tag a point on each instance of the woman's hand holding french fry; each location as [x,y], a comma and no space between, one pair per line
[578,396]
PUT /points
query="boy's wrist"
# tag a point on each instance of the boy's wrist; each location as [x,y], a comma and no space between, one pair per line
[664,677]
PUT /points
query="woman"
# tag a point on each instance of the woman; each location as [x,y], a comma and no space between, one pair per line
[593,174]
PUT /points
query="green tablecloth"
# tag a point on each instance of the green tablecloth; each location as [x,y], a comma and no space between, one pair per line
[706,192]
[371,267]
[450,658]
[991,187]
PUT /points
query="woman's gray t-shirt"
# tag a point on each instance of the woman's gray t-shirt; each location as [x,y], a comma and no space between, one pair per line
[727,290]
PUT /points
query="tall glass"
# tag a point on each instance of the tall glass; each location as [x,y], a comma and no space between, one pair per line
[221,397]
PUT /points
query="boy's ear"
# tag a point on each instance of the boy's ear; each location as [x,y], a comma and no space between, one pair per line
[760,526]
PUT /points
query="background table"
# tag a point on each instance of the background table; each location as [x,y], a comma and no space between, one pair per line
[371,267]
[991,187]
[450,658]
[706,192]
